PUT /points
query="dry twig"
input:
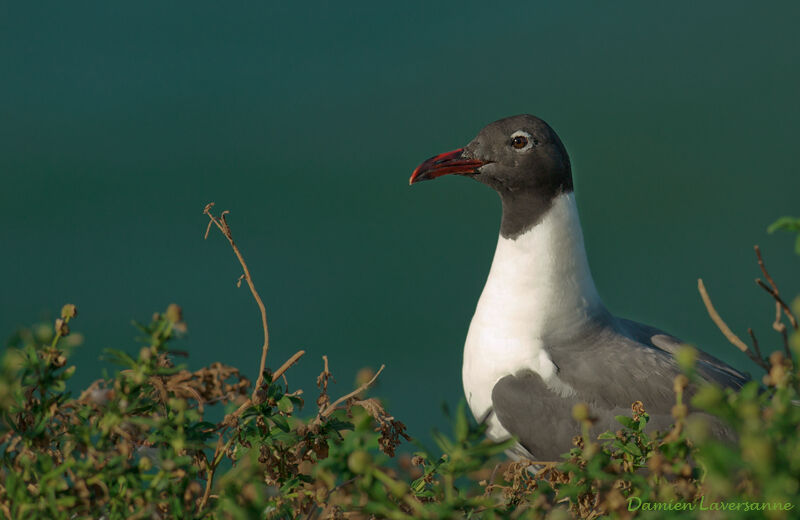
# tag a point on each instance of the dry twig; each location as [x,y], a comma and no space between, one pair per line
[723,327]
[755,342]
[287,364]
[780,305]
[230,419]
[773,290]
[322,382]
[331,407]
[222,224]
[210,469]
[726,331]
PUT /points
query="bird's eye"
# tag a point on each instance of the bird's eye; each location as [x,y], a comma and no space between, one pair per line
[522,141]
[519,142]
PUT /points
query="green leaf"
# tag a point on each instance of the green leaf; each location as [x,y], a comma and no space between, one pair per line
[119,357]
[625,421]
[790,224]
[281,422]
[633,449]
[571,490]
[785,224]
[335,424]
[285,404]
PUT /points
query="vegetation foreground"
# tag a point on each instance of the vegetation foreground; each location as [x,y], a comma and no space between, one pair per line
[138,445]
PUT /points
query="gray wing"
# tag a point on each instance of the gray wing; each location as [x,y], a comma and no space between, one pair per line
[609,367]
[614,364]
[708,366]
[542,419]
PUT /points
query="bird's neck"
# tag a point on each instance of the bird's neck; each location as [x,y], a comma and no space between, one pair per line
[540,283]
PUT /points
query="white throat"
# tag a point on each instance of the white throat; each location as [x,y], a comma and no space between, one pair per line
[539,284]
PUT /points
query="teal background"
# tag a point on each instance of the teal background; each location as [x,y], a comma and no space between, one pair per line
[119,122]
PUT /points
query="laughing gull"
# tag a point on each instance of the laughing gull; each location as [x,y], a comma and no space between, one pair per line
[541,339]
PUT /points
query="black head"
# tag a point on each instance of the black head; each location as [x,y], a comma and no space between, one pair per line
[521,157]
[521,153]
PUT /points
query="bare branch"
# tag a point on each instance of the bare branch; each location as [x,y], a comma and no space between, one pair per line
[755,342]
[773,290]
[723,327]
[729,334]
[289,362]
[780,305]
[211,468]
[222,224]
[331,407]
[786,347]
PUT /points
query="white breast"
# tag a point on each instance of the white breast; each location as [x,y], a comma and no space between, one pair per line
[538,283]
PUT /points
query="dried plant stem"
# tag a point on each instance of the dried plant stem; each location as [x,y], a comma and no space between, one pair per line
[780,305]
[773,290]
[229,419]
[723,327]
[331,407]
[211,468]
[289,362]
[726,331]
[222,224]
[755,343]
[545,462]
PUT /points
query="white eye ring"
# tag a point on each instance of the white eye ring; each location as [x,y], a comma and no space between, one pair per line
[528,139]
